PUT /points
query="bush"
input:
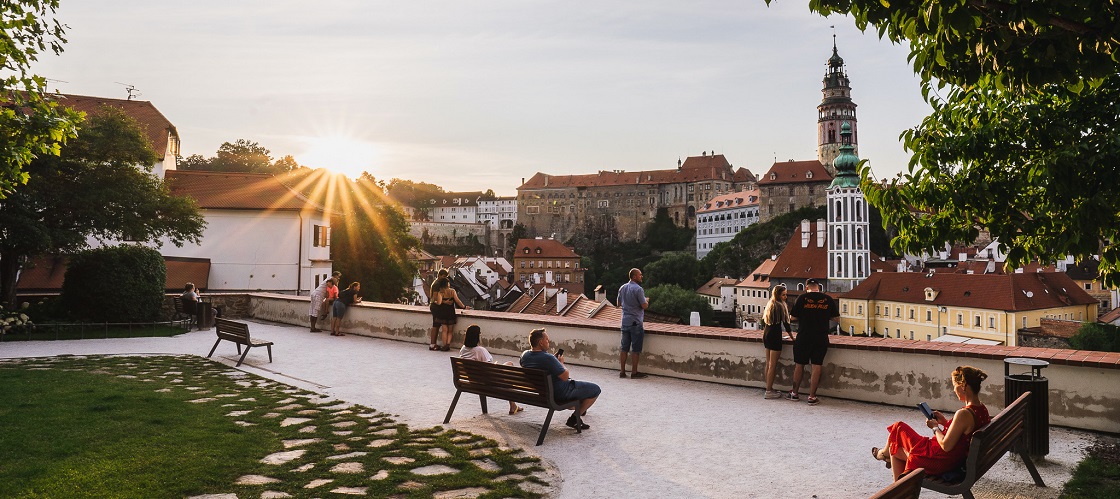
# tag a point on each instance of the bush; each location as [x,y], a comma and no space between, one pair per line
[1097,336]
[115,284]
[670,299]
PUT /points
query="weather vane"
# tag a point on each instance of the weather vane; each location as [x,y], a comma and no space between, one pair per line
[131,89]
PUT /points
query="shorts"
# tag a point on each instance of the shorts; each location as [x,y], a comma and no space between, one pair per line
[338,309]
[580,390]
[632,338]
[772,338]
[809,350]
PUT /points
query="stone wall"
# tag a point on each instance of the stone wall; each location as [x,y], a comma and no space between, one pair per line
[1084,386]
[234,305]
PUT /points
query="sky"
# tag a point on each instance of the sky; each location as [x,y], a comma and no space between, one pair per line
[475,95]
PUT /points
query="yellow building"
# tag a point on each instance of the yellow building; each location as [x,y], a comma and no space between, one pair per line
[965,307]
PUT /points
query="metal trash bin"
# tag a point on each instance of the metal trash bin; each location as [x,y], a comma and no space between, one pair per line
[1036,438]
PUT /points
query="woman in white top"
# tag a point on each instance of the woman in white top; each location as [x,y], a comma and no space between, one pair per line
[473,351]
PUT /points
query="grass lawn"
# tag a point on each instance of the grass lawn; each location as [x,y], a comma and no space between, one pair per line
[86,331]
[1098,475]
[177,426]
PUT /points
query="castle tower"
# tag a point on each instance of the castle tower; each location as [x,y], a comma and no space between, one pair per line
[835,109]
[849,249]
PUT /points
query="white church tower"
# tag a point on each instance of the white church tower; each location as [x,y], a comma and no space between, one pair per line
[849,251]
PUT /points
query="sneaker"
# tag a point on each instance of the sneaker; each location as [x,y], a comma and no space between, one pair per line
[622,374]
[577,423]
[772,394]
[812,400]
[639,376]
[792,395]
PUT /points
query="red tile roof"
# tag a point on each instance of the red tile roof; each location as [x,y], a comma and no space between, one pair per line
[1007,292]
[1111,316]
[549,248]
[694,169]
[158,128]
[45,274]
[714,286]
[744,175]
[796,262]
[237,191]
[760,277]
[730,200]
[795,172]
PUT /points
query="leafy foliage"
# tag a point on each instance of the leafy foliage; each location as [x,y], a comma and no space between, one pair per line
[370,237]
[100,187]
[670,299]
[32,124]
[135,275]
[664,235]
[243,156]
[677,268]
[1025,141]
[1097,336]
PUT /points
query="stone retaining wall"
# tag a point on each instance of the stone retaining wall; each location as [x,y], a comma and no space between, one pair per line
[1084,386]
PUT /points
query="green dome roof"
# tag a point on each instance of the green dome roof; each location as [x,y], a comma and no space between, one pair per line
[846,162]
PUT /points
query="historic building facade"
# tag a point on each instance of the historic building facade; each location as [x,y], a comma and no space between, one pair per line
[849,248]
[722,217]
[835,109]
[619,203]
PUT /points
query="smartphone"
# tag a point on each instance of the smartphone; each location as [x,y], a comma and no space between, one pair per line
[924,407]
[560,352]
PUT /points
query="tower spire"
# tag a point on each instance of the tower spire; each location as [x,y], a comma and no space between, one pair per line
[835,109]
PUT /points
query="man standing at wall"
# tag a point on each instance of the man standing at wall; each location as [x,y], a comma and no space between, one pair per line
[632,299]
[813,311]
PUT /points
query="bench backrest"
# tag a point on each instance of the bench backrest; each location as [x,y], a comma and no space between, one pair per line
[232,330]
[178,301]
[994,439]
[907,487]
[531,386]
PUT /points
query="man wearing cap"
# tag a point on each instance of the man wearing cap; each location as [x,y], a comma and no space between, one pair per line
[813,311]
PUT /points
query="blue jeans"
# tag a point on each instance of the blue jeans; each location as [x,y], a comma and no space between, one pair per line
[632,337]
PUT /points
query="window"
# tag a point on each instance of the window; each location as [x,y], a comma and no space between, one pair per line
[532,210]
[976,323]
[1088,286]
[845,308]
[929,316]
[897,312]
[604,203]
[991,322]
[911,314]
[321,236]
[860,312]
[960,320]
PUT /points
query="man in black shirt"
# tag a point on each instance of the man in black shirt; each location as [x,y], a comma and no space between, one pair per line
[813,311]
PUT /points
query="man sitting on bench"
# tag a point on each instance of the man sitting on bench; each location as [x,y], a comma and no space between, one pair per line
[564,388]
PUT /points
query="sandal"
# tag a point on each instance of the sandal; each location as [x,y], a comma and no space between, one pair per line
[517,410]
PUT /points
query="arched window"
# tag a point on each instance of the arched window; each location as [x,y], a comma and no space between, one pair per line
[839,239]
[859,267]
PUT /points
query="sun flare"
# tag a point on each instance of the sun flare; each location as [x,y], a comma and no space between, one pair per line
[340,154]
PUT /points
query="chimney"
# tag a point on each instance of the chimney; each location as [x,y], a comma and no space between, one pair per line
[546,180]
[561,300]
[804,233]
[821,228]
[600,294]
[962,257]
[522,180]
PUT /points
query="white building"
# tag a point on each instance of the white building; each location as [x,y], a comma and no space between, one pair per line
[752,293]
[722,217]
[499,213]
[720,293]
[260,235]
[849,249]
[450,207]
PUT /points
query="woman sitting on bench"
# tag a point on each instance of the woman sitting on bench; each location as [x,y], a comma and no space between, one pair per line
[473,351]
[947,449]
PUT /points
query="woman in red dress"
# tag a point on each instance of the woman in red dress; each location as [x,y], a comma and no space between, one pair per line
[906,450]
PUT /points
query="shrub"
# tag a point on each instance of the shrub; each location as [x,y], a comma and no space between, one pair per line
[1097,336]
[115,284]
[670,299]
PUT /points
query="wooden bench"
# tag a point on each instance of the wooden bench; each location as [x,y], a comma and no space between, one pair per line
[238,333]
[516,384]
[988,446]
[908,486]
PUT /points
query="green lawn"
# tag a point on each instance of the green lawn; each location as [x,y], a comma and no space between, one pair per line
[176,426]
[1098,475]
[92,331]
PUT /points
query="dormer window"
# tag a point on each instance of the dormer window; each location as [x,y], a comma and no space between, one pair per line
[538,251]
[931,294]
[773,176]
[809,174]
[526,250]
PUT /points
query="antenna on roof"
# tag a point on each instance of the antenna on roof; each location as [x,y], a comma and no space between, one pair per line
[131,89]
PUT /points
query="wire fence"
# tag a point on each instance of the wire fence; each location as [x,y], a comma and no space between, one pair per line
[100,330]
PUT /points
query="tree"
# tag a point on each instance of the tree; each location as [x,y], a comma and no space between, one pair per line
[408,193]
[518,233]
[677,268]
[1023,143]
[193,162]
[1097,336]
[370,238]
[285,164]
[32,124]
[670,299]
[242,156]
[664,235]
[371,241]
[739,256]
[138,275]
[100,187]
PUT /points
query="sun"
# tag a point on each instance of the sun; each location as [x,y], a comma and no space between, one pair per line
[340,154]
